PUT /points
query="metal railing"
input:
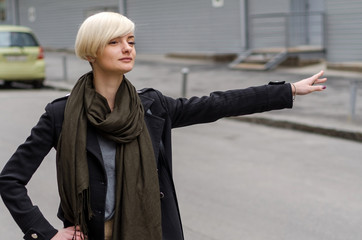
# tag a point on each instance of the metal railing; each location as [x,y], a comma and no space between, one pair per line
[286,30]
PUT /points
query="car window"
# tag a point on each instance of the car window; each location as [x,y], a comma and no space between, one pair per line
[10,39]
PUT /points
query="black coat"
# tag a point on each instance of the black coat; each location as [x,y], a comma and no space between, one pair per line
[161,115]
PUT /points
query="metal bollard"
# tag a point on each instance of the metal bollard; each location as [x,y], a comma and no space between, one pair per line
[185,71]
[65,70]
[353,97]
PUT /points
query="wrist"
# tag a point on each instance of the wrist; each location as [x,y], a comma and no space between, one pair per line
[294,90]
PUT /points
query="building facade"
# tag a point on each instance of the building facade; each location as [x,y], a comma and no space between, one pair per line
[55,22]
[285,23]
[162,26]
[204,26]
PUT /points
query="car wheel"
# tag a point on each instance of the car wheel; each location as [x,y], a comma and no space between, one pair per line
[38,84]
[7,84]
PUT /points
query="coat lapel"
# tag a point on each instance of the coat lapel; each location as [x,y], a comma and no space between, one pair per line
[154,124]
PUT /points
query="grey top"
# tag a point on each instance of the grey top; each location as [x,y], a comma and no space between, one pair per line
[108,149]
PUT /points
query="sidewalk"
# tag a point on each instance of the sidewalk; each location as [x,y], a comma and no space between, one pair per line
[327,113]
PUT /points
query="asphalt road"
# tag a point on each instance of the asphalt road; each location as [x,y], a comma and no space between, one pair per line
[235,180]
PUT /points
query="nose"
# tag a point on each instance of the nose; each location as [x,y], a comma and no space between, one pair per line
[126,48]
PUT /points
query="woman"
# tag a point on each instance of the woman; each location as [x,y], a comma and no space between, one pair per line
[114,143]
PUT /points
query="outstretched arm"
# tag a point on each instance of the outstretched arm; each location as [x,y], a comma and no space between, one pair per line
[308,85]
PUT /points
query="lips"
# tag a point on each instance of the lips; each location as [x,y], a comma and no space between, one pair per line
[126,59]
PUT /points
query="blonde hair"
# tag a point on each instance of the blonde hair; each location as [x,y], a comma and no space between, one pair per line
[97,30]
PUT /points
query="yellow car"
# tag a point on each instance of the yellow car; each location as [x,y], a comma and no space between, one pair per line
[21,56]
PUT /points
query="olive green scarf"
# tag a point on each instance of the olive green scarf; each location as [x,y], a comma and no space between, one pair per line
[138,211]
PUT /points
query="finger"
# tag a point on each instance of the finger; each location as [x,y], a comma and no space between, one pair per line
[318,88]
[320,74]
[80,237]
[318,81]
[79,233]
[77,237]
[315,77]
[323,80]
[77,228]
[73,233]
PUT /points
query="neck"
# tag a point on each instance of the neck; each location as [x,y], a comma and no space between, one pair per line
[107,86]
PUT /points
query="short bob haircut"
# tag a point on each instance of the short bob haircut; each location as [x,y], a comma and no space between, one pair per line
[97,30]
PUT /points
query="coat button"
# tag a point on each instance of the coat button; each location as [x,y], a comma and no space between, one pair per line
[162,195]
[34,236]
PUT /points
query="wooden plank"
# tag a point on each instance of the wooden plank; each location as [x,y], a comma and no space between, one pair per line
[249,66]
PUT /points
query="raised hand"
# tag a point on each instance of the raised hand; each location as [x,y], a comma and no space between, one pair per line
[308,85]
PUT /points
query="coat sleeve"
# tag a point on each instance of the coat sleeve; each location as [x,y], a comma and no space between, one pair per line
[184,112]
[17,173]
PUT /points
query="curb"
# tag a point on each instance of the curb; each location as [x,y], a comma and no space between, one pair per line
[58,85]
[343,134]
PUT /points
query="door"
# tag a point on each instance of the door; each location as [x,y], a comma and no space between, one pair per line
[306,22]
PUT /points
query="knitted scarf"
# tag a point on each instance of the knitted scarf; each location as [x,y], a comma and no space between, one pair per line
[137,210]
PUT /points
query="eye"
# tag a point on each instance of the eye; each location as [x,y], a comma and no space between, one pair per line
[112,42]
[132,43]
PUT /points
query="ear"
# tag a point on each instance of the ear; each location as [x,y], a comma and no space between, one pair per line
[90,59]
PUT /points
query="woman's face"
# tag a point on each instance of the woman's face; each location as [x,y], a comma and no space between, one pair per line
[118,56]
